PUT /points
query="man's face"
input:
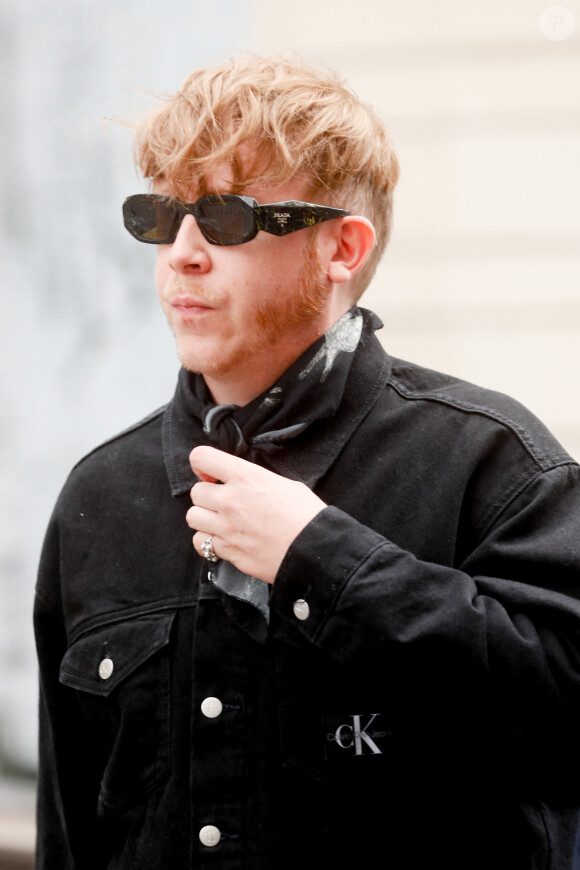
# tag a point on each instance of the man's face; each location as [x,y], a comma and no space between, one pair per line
[242,314]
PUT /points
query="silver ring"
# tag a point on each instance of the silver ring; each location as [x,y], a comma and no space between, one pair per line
[207,550]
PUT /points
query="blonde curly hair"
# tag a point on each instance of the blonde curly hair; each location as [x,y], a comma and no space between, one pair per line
[300,121]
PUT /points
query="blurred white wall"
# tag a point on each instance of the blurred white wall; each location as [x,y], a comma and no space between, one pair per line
[481,277]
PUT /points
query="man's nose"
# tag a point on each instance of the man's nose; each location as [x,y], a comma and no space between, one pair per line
[189,252]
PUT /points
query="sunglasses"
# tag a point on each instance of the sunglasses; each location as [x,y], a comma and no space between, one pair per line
[224,219]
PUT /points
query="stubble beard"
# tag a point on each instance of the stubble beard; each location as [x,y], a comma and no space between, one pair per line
[280,317]
[287,314]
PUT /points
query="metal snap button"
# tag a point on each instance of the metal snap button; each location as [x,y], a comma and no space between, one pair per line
[106,668]
[301,609]
[209,835]
[211,708]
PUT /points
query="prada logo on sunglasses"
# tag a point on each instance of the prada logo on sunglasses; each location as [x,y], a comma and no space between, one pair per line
[223,219]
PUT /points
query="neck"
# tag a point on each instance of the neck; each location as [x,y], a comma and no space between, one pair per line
[261,369]
[254,376]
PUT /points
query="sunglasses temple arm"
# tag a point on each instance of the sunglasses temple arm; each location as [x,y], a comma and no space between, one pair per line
[281,220]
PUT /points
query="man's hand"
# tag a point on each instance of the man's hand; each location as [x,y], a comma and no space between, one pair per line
[253,514]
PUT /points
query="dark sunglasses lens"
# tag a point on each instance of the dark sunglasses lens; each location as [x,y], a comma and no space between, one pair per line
[225,221]
[153,219]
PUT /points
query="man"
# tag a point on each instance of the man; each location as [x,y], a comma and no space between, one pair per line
[368,655]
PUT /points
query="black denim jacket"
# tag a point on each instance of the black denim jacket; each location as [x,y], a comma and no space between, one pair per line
[422,709]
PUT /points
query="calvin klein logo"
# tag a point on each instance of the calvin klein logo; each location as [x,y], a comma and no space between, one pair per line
[356,734]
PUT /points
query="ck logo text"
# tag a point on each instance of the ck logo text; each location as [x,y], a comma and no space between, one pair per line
[355,735]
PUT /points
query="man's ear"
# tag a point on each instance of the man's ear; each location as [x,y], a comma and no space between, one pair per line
[354,239]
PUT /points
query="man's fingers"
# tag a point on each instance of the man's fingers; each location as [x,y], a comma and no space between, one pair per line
[201,518]
[206,495]
[210,464]
[207,478]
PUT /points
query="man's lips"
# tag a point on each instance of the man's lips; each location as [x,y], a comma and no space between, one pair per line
[189,305]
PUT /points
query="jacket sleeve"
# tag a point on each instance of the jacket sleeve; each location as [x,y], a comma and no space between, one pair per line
[68,778]
[495,638]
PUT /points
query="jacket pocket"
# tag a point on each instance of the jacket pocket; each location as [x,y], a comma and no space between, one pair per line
[121,674]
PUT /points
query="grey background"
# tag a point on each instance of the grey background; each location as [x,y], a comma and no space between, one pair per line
[83,347]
